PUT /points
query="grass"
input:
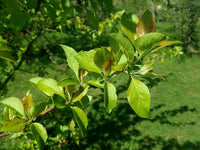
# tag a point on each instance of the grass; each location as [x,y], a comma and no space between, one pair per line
[175,111]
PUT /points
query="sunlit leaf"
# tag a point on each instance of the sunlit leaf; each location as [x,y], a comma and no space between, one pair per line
[86,60]
[139,98]
[165,43]
[146,43]
[110,96]
[40,134]
[49,87]
[71,60]
[15,104]
[27,102]
[68,81]
[81,119]
[146,24]
[14,125]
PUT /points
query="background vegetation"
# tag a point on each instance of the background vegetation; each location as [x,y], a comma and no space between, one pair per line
[83,25]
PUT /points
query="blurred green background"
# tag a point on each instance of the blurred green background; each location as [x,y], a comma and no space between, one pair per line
[175,102]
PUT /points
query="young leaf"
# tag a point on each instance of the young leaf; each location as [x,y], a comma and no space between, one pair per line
[81,119]
[80,93]
[86,60]
[146,24]
[119,42]
[27,102]
[59,101]
[101,57]
[14,125]
[40,134]
[35,80]
[68,81]
[147,42]
[164,44]
[6,113]
[120,64]
[110,96]
[71,60]
[49,87]
[139,98]
[96,83]
[15,104]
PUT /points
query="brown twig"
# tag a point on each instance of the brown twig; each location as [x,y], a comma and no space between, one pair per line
[4,134]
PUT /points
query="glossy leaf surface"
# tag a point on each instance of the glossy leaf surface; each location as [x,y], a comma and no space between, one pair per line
[86,60]
[81,119]
[147,42]
[71,60]
[146,24]
[110,96]
[27,103]
[39,133]
[15,104]
[139,98]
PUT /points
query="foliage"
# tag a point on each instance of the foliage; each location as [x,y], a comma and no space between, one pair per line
[93,68]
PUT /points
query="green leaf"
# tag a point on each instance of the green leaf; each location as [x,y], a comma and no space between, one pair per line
[68,81]
[6,113]
[59,101]
[18,20]
[81,119]
[121,64]
[35,81]
[146,24]
[97,83]
[14,125]
[38,109]
[128,26]
[49,87]
[119,42]
[110,96]
[32,4]
[72,62]
[165,43]
[86,60]
[6,56]
[146,43]
[40,134]
[101,56]
[27,103]
[82,91]
[139,98]
[15,104]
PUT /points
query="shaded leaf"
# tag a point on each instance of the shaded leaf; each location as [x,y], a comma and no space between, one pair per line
[128,26]
[59,101]
[101,56]
[82,91]
[15,104]
[81,119]
[146,24]
[14,125]
[119,42]
[38,109]
[139,98]
[110,96]
[97,83]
